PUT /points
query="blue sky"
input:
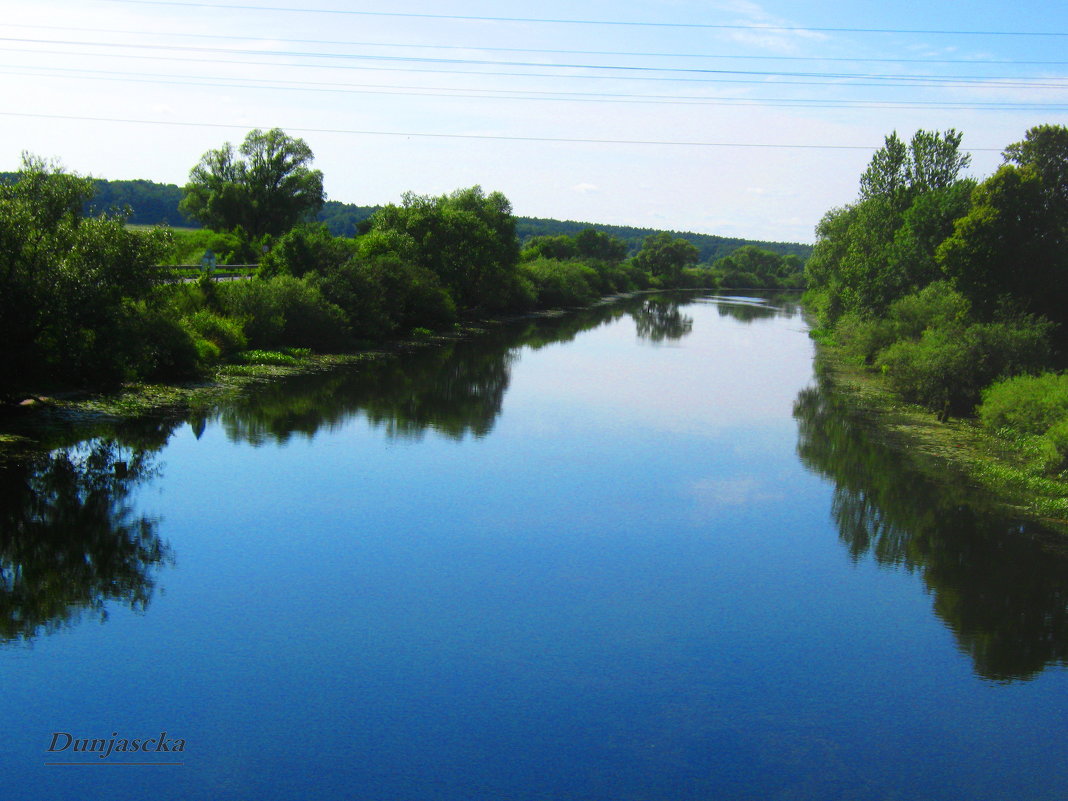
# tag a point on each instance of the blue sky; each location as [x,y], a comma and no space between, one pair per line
[733,118]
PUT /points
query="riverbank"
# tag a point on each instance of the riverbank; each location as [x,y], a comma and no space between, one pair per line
[1005,468]
[29,426]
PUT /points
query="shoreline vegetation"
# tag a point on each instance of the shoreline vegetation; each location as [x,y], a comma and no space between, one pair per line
[1000,465]
[227,381]
[89,303]
[939,303]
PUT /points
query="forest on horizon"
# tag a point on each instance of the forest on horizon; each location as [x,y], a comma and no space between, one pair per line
[152,203]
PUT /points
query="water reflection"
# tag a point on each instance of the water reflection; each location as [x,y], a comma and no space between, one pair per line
[69,541]
[747,309]
[455,389]
[1000,587]
[659,319]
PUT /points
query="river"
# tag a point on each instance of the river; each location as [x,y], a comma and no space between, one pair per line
[635,553]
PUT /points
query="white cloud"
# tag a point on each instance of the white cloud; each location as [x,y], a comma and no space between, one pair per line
[585,189]
[712,493]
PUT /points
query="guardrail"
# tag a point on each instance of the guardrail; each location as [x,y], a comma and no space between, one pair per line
[193,272]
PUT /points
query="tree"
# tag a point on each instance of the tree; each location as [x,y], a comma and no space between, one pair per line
[594,244]
[887,173]
[467,239]
[1045,149]
[882,247]
[66,282]
[666,256]
[932,160]
[1009,245]
[267,192]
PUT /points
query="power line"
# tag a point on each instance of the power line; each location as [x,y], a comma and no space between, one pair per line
[555,76]
[513,94]
[492,49]
[1005,81]
[560,21]
[493,137]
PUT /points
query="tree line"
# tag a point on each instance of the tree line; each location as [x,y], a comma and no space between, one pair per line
[83,301]
[954,289]
[151,203]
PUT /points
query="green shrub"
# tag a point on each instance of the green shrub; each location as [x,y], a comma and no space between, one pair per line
[207,351]
[225,332]
[161,347]
[734,279]
[306,248]
[383,294]
[561,283]
[284,311]
[414,295]
[699,278]
[272,357]
[1057,437]
[615,277]
[934,306]
[863,338]
[946,368]
[1026,404]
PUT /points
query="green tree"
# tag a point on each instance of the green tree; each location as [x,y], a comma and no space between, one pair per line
[1010,245]
[1045,149]
[594,244]
[467,239]
[305,248]
[66,282]
[264,189]
[559,246]
[666,256]
[887,173]
[882,247]
[751,260]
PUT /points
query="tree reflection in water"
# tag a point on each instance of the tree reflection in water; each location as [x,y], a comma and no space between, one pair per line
[69,541]
[658,319]
[1000,586]
[455,388]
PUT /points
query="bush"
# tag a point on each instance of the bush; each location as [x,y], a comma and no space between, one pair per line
[190,244]
[226,333]
[383,294]
[1057,437]
[934,306]
[414,295]
[304,249]
[614,277]
[863,338]
[699,278]
[162,348]
[207,351]
[1026,404]
[561,283]
[357,289]
[284,311]
[946,368]
[733,279]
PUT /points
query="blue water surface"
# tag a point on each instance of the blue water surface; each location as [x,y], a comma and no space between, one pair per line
[625,580]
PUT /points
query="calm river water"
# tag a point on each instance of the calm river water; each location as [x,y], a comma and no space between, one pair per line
[637,553]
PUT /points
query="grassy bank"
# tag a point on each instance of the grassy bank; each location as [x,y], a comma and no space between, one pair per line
[30,426]
[1005,467]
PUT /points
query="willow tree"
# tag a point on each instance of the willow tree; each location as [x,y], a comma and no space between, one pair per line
[265,188]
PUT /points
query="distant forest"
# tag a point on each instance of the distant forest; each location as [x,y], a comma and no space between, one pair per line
[152,203]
